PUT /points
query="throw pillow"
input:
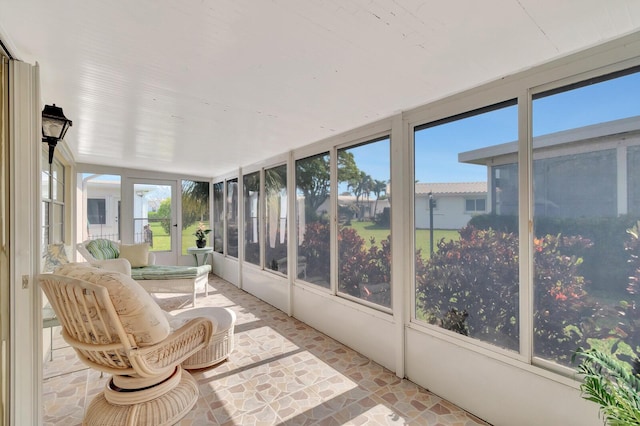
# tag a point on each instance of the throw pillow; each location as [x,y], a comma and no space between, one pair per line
[55,256]
[136,254]
[102,249]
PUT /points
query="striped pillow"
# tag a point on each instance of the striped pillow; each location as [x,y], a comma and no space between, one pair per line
[102,249]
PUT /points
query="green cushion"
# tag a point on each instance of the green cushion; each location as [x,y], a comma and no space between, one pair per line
[102,249]
[164,272]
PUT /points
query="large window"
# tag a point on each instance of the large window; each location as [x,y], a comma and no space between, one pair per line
[97,211]
[312,215]
[504,188]
[586,246]
[101,217]
[218,217]
[195,212]
[251,185]
[364,213]
[53,201]
[476,205]
[275,188]
[466,265]
[232,217]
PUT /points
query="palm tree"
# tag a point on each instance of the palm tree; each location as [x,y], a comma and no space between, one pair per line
[379,187]
[195,202]
[362,186]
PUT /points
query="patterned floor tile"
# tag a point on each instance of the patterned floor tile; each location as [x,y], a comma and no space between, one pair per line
[281,372]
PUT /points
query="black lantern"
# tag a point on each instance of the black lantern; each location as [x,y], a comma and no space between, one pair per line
[54,127]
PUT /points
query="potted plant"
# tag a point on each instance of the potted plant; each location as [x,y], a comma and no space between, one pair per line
[612,384]
[201,235]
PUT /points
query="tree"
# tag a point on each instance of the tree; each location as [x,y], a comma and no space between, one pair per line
[313,177]
[379,187]
[163,215]
[275,179]
[195,202]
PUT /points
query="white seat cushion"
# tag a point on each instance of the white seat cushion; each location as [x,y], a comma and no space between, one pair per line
[222,340]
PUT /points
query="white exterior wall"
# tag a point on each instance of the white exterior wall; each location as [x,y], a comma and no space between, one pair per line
[111,195]
[449,212]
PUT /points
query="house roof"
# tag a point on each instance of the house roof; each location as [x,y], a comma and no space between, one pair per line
[204,87]
[451,188]
[581,135]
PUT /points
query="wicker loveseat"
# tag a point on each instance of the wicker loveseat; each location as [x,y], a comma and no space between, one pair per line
[138,262]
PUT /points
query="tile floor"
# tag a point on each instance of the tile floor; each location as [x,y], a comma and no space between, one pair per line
[282,372]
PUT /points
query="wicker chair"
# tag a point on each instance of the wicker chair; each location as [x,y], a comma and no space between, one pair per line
[116,327]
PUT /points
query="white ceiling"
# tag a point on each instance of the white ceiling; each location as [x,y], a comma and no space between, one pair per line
[201,87]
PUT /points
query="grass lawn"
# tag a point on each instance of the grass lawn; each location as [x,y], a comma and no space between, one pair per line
[367,230]
[161,241]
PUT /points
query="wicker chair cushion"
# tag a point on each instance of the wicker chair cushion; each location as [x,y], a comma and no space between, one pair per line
[139,314]
[102,249]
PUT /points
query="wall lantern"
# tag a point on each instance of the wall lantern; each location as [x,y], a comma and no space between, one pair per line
[54,127]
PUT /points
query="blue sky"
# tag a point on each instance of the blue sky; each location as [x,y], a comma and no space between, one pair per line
[373,159]
[437,148]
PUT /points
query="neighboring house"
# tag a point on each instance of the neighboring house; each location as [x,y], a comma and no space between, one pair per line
[102,198]
[586,172]
[454,203]
[366,208]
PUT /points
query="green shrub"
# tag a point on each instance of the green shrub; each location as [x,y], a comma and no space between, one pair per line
[477,277]
[628,327]
[315,248]
[604,265]
[383,219]
[360,269]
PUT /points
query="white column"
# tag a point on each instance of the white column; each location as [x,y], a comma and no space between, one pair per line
[25,144]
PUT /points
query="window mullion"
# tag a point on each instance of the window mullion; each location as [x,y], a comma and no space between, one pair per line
[333,220]
[525,226]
